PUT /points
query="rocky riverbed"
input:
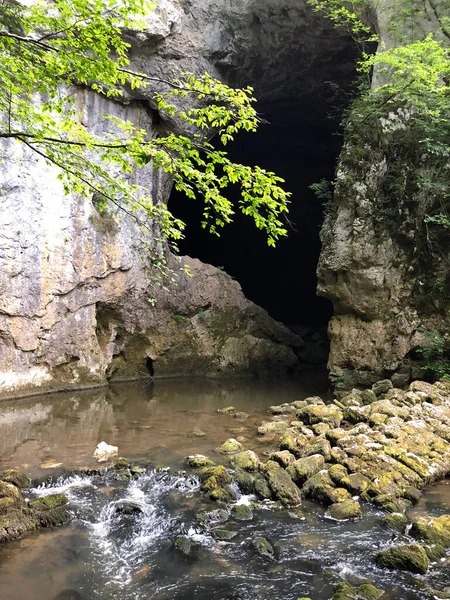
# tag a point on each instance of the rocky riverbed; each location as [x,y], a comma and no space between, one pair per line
[365,457]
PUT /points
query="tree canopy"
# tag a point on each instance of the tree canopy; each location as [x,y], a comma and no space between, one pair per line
[48,48]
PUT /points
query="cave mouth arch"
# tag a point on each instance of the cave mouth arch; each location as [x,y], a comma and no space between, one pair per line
[302,71]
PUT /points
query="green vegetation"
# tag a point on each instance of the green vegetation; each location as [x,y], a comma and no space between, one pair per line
[51,50]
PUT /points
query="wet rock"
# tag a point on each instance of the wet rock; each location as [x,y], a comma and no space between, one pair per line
[8,490]
[128,508]
[17,478]
[6,504]
[242,512]
[345,511]
[245,481]
[262,489]
[214,478]
[247,460]
[121,464]
[224,534]
[411,558]
[282,409]
[199,461]
[284,458]
[396,522]
[344,591]
[241,416]
[434,552]
[231,446]
[321,488]
[304,468]
[294,442]
[136,471]
[228,410]
[219,515]
[263,547]
[273,428]
[316,413]
[382,387]
[105,452]
[356,483]
[432,531]
[184,545]
[412,494]
[48,502]
[281,484]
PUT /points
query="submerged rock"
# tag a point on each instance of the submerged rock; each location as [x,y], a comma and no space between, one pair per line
[224,534]
[241,512]
[68,595]
[410,557]
[228,410]
[273,428]
[304,468]
[263,547]
[184,545]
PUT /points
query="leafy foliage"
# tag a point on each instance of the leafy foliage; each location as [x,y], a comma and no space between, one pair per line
[50,49]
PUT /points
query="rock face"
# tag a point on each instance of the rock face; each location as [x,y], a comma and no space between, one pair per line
[76,304]
[384,269]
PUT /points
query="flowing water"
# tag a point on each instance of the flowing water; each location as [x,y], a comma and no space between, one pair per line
[107,553]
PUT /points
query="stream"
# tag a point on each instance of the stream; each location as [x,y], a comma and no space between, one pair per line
[109,553]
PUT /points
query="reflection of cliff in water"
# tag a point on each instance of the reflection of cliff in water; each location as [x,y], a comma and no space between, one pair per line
[155,421]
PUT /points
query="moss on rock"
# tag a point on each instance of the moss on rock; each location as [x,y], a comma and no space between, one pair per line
[410,557]
[345,511]
[247,460]
[281,484]
[15,477]
[304,468]
[231,446]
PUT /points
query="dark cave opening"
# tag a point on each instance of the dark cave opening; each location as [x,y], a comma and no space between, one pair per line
[303,77]
[282,279]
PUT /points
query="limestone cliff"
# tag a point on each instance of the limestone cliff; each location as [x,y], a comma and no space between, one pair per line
[383,267]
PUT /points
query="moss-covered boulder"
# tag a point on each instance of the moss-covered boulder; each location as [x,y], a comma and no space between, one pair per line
[321,488]
[263,547]
[184,545]
[216,482]
[345,511]
[396,522]
[434,551]
[344,591]
[242,512]
[281,484]
[231,446]
[6,504]
[247,460]
[356,483]
[48,502]
[245,481]
[17,478]
[198,461]
[304,468]
[317,413]
[273,428]
[410,557]
[262,488]
[8,490]
[432,531]
[284,458]
[294,442]
[224,534]
[337,473]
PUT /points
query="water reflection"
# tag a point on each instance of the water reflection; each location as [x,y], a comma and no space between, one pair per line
[158,422]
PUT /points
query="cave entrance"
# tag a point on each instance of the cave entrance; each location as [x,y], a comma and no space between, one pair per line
[303,78]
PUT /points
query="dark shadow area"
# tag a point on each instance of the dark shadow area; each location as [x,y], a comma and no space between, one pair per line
[282,279]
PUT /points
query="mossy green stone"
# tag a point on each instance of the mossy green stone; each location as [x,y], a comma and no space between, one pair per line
[48,502]
[247,460]
[396,522]
[344,591]
[345,511]
[241,512]
[224,534]
[410,557]
[15,477]
[263,547]
[281,484]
